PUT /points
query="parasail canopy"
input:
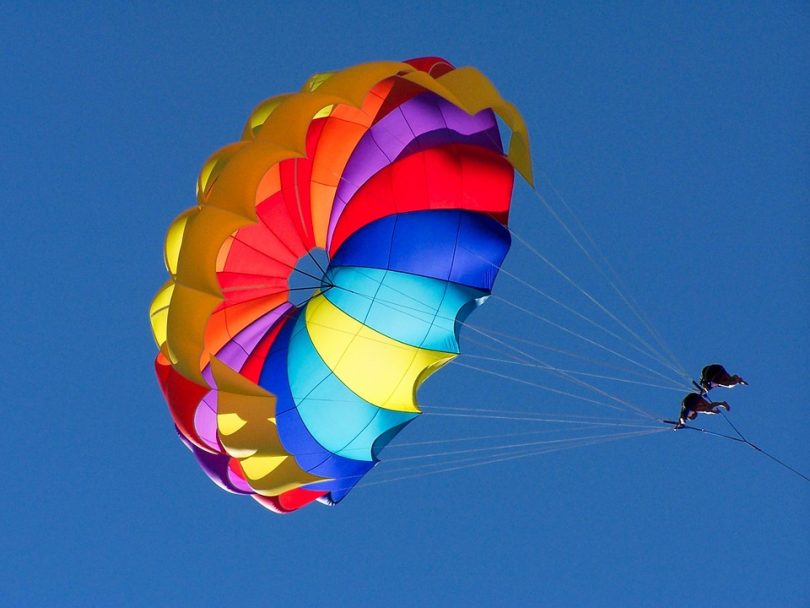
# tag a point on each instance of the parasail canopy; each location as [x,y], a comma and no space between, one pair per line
[397,172]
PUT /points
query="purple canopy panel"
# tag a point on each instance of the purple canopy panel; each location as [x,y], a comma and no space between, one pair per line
[205,423]
[217,469]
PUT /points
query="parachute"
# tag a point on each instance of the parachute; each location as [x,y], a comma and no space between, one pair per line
[397,172]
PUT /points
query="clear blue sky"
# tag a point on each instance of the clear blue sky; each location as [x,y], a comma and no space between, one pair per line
[679,134]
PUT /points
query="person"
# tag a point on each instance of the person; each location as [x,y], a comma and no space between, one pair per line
[695,403]
[715,375]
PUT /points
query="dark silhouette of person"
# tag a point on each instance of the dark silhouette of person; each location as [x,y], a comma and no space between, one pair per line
[694,404]
[715,375]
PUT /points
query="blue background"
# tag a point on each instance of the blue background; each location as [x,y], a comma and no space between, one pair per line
[679,134]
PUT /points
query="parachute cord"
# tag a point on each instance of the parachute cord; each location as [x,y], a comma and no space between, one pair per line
[484,459]
[537,385]
[479,460]
[313,296]
[575,444]
[571,371]
[448,440]
[513,359]
[650,351]
[646,352]
[511,446]
[583,338]
[312,257]
[741,439]
[535,419]
[303,272]
[632,372]
[563,417]
[632,303]
[583,427]
[634,308]
[627,405]
[569,377]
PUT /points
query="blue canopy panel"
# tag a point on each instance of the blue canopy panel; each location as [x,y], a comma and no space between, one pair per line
[310,455]
[411,309]
[454,245]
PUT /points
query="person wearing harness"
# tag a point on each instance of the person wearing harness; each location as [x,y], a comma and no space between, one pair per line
[695,403]
[715,375]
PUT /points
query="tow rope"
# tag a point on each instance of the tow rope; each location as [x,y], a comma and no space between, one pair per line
[740,438]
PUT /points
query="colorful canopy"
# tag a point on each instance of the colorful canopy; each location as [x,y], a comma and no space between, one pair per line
[397,171]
